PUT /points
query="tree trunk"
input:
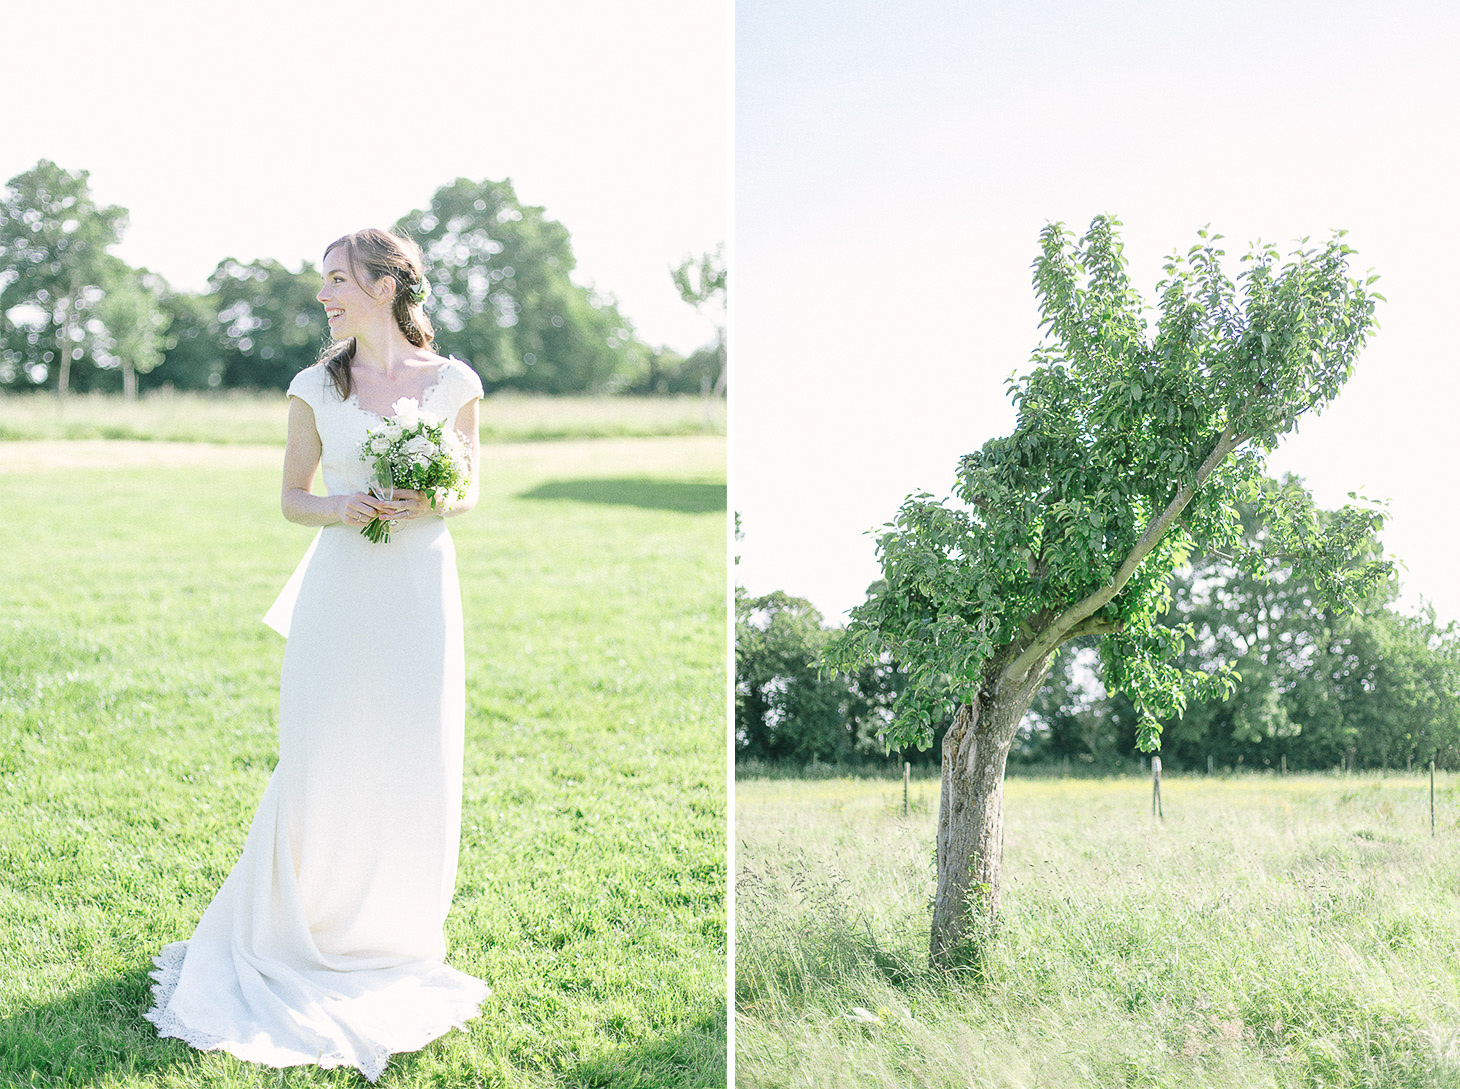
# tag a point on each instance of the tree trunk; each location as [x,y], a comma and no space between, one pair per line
[971,812]
[63,358]
[129,381]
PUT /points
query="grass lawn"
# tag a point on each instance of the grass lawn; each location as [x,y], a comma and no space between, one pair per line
[138,718]
[1298,932]
[245,416]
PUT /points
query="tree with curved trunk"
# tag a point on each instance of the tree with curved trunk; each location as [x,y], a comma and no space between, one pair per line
[1132,447]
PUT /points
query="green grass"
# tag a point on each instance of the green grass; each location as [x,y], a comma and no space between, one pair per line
[1295,932]
[138,717]
[250,417]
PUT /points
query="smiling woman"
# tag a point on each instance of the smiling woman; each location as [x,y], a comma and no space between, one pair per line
[325,944]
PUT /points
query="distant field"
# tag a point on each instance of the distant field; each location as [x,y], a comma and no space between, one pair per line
[1296,932]
[249,417]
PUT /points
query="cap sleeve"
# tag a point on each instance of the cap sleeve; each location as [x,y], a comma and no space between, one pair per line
[471,384]
[466,384]
[308,387]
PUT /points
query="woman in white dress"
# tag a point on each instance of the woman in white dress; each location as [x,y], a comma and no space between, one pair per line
[325,943]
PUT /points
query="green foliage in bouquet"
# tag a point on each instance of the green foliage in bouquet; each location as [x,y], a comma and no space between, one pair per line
[414,449]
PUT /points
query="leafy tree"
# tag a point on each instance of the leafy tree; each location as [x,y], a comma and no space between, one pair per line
[1378,689]
[702,283]
[1131,448]
[1278,632]
[670,372]
[1398,683]
[53,260]
[785,708]
[503,299]
[269,323]
[130,325]
[1073,717]
[1316,687]
[192,356]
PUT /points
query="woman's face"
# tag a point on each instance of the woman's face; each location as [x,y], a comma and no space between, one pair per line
[348,306]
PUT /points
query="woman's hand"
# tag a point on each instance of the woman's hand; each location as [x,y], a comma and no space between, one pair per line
[409,503]
[358,509]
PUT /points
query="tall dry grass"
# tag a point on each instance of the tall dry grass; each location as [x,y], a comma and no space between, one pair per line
[1299,931]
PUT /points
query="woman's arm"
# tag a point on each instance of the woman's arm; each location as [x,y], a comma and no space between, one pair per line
[301,459]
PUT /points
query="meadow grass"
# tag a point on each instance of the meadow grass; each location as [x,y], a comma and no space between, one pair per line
[246,416]
[1299,931]
[138,718]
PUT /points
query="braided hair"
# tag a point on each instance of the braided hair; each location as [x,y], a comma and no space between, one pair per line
[371,254]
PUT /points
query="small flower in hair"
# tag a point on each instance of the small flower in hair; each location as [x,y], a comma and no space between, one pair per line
[419,292]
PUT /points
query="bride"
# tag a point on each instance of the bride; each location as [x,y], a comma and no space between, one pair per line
[325,943]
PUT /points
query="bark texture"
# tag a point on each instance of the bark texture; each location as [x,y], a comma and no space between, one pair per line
[971,809]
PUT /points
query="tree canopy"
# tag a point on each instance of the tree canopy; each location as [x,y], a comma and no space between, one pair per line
[789,709]
[54,270]
[503,299]
[1133,444]
[265,323]
[1130,454]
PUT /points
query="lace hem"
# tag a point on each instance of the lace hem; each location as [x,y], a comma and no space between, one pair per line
[169,970]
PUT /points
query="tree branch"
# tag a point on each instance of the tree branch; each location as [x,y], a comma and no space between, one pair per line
[1063,625]
[1092,626]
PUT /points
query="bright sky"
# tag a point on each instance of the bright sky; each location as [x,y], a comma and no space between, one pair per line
[895,163]
[269,129]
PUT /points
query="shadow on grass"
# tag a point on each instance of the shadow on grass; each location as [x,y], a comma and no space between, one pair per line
[690,1059]
[689,497]
[98,1036]
[88,1036]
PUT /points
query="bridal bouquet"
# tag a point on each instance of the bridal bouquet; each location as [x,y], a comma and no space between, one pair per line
[413,449]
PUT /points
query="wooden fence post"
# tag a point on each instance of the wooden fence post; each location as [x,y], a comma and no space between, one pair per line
[1156,788]
[906,775]
[1432,797]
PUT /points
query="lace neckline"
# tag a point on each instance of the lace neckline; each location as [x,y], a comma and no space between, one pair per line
[420,398]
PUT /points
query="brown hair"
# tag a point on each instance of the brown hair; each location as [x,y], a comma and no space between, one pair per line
[371,254]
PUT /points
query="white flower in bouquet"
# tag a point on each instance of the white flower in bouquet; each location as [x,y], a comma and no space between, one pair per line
[419,450]
[414,449]
[454,445]
[407,412]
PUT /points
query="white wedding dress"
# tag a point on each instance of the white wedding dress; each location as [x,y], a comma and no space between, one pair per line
[325,943]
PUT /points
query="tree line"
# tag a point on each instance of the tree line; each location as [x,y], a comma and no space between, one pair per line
[74,316]
[1374,687]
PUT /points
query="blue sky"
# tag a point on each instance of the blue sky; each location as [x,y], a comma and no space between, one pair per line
[893,168]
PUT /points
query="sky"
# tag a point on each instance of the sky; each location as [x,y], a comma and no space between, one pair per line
[894,166]
[269,129]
